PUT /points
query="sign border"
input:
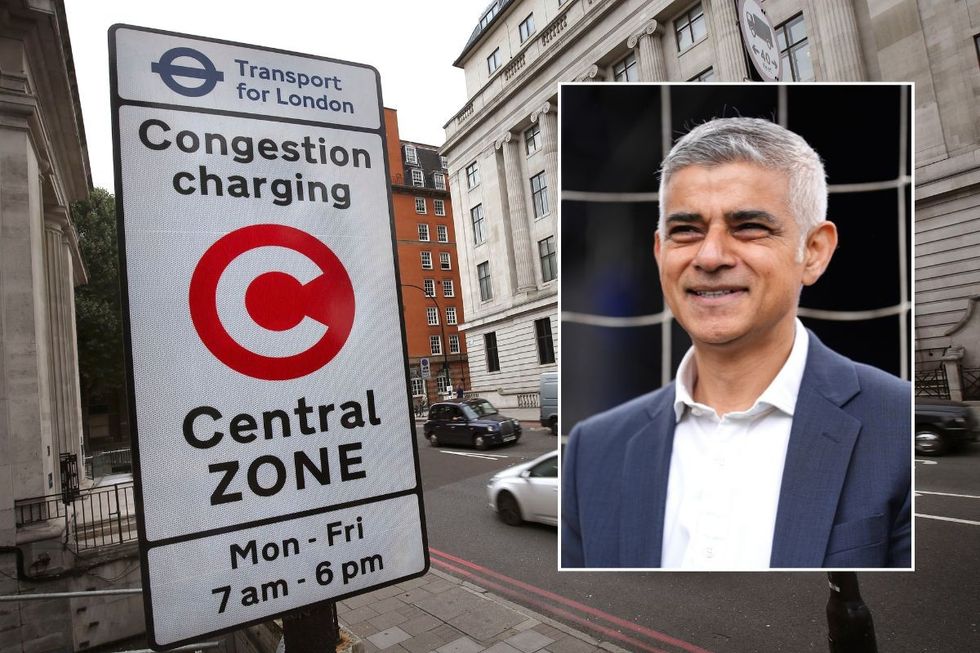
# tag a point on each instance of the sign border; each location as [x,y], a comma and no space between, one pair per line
[116,104]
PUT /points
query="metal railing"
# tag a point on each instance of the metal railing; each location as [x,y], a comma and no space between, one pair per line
[99,516]
[932,383]
[971,383]
[38,509]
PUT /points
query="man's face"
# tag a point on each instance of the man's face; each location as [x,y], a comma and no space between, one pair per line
[728,256]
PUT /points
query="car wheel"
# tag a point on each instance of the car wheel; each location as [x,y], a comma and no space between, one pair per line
[929,442]
[433,440]
[554,426]
[508,510]
[479,442]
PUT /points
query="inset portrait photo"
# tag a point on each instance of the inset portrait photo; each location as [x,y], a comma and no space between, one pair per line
[736,315]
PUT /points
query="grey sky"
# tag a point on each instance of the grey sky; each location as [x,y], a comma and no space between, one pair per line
[412,44]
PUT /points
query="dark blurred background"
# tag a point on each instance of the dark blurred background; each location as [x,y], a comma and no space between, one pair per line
[617,342]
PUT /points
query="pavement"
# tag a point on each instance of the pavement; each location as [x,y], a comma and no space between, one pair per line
[442,614]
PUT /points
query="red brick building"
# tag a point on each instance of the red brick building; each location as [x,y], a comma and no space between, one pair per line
[427,262]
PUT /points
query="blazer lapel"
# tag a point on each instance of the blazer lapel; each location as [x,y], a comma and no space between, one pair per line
[820,446]
[646,467]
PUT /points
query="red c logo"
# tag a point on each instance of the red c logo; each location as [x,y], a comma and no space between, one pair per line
[275,301]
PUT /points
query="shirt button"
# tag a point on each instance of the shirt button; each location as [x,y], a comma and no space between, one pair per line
[697,412]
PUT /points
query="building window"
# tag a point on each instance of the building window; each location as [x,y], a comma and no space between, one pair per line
[440,207]
[526,28]
[539,193]
[546,347]
[447,288]
[418,386]
[424,232]
[429,286]
[435,344]
[432,316]
[418,178]
[426,260]
[626,69]
[532,138]
[690,27]
[493,61]
[453,344]
[490,344]
[444,262]
[476,216]
[442,233]
[705,76]
[450,315]
[794,50]
[439,181]
[411,156]
[444,162]
[487,17]
[420,205]
[472,175]
[483,274]
[549,260]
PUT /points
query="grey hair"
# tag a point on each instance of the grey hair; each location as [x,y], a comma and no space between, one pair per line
[759,141]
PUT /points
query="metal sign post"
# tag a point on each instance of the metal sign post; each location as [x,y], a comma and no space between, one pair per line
[275,455]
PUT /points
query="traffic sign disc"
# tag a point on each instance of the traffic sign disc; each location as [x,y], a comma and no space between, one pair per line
[275,300]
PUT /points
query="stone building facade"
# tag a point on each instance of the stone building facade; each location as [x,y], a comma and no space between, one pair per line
[44,167]
[521,50]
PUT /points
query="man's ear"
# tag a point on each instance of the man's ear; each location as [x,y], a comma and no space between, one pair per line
[820,245]
[656,246]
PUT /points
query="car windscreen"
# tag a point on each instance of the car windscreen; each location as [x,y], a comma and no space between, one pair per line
[482,407]
[469,412]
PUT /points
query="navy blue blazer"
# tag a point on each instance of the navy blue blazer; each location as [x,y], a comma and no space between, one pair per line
[845,499]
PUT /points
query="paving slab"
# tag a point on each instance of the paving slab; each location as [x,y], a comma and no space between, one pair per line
[388,638]
[529,641]
[461,645]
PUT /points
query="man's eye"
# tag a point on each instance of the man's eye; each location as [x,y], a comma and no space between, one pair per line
[683,232]
[752,228]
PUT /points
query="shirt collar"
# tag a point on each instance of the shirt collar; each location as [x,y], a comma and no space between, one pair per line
[781,393]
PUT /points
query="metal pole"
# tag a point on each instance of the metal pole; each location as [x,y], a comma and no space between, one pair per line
[442,328]
[850,628]
[313,629]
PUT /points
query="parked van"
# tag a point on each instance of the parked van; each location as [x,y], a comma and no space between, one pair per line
[548,393]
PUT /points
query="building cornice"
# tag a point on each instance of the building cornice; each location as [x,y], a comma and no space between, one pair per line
[552,43]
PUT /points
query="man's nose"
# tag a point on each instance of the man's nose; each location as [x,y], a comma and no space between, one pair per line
[715,251]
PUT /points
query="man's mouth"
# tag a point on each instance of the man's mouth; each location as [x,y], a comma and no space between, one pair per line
[713,293]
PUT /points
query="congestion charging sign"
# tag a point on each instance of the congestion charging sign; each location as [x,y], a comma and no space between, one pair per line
[276,462]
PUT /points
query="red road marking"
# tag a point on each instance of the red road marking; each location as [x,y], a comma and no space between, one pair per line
[599,614]
[608,632]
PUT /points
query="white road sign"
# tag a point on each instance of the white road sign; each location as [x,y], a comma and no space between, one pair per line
[276,455]
[759,39]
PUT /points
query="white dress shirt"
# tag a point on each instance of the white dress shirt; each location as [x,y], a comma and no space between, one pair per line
[726,471]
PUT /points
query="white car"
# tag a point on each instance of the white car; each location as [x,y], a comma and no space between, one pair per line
[527,492]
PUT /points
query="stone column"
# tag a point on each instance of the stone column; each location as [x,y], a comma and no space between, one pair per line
[517,207]
[728,42]
[841,46]
[548,120]
[74,407]
[649,44]
[55,273]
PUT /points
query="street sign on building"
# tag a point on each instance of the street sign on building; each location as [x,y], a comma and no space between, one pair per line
[275,455]
[760,40]
[425,368]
